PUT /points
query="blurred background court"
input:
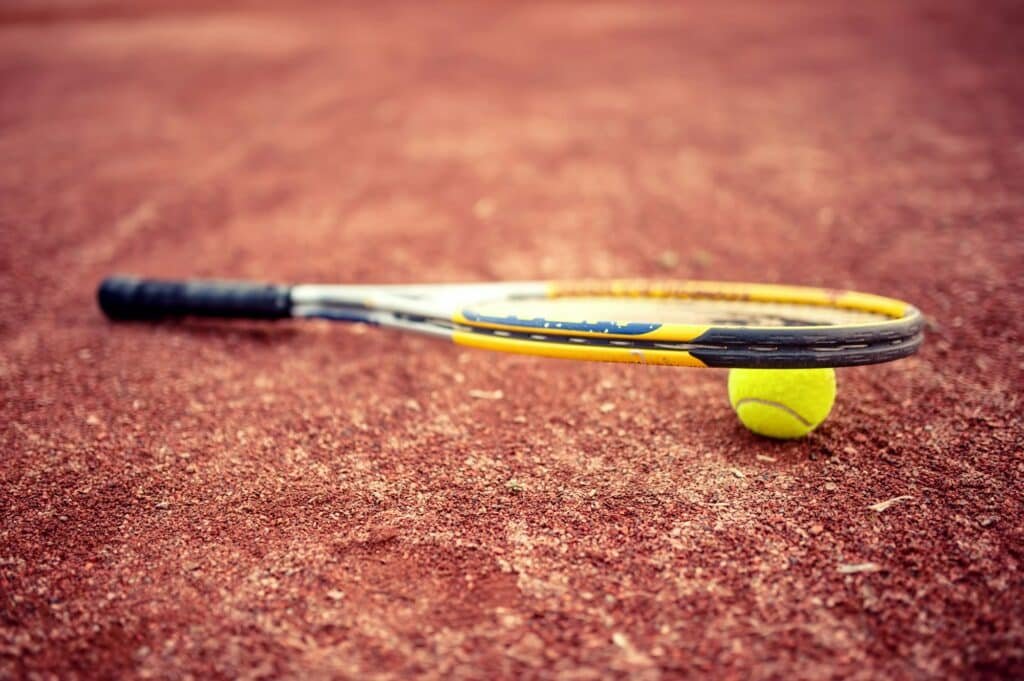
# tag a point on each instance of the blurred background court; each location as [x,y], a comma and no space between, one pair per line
[238,500]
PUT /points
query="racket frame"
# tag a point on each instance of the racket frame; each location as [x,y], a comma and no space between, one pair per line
[446,310]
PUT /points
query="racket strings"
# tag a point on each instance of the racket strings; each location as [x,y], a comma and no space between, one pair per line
[822,345]
[640,311]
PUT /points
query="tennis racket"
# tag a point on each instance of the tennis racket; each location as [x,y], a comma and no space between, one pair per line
[680,323]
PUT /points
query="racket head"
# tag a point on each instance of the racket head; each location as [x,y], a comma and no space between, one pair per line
[695,323]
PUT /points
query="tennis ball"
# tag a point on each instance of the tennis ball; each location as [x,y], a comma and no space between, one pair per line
[782,403]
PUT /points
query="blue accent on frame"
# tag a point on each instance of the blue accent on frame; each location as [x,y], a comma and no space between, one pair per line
[623,328]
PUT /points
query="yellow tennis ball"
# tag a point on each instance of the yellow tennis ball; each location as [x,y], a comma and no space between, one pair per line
[782,403]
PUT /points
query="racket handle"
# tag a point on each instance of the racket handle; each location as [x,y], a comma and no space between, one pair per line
[126,298]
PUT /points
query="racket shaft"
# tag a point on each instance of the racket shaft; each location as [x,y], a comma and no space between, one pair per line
[339,313]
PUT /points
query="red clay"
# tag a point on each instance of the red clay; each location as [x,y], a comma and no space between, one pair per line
[238,500]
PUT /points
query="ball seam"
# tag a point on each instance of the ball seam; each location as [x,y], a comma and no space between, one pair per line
[770,403]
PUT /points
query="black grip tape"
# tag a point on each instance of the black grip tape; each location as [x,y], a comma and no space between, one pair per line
[125,298]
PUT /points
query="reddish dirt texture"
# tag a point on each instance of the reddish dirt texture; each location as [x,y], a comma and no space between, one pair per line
[220,500]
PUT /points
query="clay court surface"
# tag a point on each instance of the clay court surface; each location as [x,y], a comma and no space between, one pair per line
[206,499]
